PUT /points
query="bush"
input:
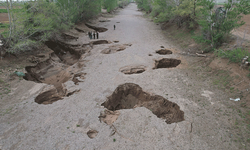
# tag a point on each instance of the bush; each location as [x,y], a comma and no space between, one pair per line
[235,55]
[38,21]
[3,11]
[27,45]
[217,24]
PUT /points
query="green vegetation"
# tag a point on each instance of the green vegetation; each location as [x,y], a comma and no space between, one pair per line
[110,4]
[145,5]
[4,26]
[223,79]
[34,22]
[3,11]
[216,23]
[235,55]
[216,26]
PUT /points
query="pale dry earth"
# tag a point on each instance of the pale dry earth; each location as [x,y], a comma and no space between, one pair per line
[66,124]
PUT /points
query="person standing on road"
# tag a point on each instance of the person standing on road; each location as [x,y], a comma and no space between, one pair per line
[114,27]
[94,35]
[91,35]
[97,35]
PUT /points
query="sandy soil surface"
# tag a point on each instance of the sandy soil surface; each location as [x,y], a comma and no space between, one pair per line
[244,31]
[199,115]
[4,18]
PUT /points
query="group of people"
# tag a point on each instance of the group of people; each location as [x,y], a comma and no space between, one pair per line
[94,34]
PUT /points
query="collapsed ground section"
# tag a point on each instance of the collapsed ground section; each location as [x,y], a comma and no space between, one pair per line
[166,63]
[164,52]
[133,69]
[129,95]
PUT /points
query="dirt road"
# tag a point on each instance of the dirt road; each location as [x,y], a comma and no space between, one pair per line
[77,121]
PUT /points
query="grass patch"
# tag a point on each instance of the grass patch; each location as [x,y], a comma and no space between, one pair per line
[235,55]
[3,11]
[16,10]
[223,80]
[4,26]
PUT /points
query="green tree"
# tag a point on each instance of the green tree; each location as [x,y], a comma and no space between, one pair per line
[145,5]
[110,5]
[217,24]
[38,21]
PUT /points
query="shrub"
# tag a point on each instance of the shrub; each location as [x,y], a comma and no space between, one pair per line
[235,55]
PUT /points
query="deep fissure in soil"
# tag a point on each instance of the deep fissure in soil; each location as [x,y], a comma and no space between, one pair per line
[130,95]
[61,66]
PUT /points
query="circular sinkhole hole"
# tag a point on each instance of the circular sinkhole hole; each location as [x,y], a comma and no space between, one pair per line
[133,69]
[166,63]
[130,95]
[164,52]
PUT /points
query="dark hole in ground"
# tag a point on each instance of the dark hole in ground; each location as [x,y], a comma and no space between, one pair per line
[129,95]
[99,29]
[66,54]
[48,97]
[166,63]
[164,52]
[92,133]
[133,69]
[100,42]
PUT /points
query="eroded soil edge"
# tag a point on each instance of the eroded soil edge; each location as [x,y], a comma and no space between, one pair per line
[130,95]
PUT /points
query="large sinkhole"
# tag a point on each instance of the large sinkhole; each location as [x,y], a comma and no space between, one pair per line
[129,95]
[166,63]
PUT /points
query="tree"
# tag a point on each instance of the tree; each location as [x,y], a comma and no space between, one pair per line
[110,4]
[218,23]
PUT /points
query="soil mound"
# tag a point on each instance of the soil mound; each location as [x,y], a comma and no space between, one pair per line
[129,95]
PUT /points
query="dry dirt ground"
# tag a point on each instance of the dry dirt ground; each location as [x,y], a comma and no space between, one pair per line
[244,31]
[129,97]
